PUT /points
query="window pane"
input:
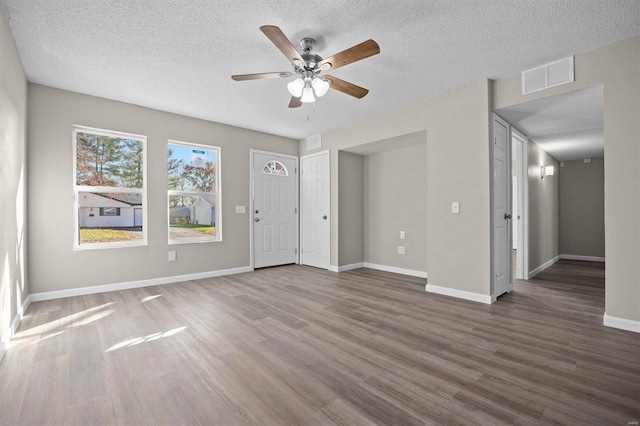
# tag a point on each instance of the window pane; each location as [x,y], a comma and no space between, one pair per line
[108,161]
[110,211]
[192,218]
[191,168]
[109,217]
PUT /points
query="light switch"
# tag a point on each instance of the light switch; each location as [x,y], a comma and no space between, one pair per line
[241,209]
[455,207]
[402,235]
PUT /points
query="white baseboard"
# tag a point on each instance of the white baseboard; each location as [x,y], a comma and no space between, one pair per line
[460,294]
[621,323]
[4,345]
[344,268]
[59,294]
[395,270]
[543,267]
[579,257]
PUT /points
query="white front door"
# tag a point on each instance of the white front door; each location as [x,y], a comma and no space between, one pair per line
[315,210]
[275,210]
[501,215]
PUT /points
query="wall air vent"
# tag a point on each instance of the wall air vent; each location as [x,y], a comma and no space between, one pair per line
[548,75]
[314,142]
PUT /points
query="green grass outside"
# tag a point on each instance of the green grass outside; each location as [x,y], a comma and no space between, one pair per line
[203,229]
[105,236]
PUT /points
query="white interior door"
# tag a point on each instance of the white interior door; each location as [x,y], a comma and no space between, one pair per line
[501,215]
[519,211]
[275,210]
[315,199]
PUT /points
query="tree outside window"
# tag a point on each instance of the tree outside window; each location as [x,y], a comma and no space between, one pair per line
[193,192]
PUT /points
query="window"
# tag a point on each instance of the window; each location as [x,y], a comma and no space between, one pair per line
[109,211]
[193,173]
[109,188]
[274,167]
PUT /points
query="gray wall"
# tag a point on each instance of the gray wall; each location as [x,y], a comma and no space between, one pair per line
[617,67]
[351,207]
[456,128]
[395,200]
[14,286]
[544,208]
[54,265]
[582,208]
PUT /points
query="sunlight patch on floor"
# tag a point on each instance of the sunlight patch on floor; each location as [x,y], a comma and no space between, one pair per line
[147,338]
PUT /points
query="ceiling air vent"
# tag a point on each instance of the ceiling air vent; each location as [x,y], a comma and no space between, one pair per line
[314,142]
[548,75]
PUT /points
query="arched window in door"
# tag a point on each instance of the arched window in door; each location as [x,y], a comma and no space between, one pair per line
[275,167]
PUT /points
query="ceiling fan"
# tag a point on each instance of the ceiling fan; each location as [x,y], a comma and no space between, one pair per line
[307,67]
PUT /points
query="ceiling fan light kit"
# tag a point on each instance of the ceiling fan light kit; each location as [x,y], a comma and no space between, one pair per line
[295,87]
[308,66]
[307,94]
[320,86]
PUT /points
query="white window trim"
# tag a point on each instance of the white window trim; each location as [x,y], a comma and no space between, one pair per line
[216,194]
[97,189]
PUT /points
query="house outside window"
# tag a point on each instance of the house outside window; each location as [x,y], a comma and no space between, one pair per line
[193,176]
[109,189]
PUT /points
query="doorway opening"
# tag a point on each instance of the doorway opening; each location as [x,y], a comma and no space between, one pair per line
[560,175]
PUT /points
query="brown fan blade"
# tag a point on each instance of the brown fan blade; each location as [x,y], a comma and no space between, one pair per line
[278,38]
[353,54]
[261,76]
[295,102]
[346,87]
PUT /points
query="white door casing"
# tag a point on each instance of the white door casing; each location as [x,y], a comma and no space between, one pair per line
[274,209]
[315,210]
[501,214]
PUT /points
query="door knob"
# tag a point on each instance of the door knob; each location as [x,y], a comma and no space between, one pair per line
[324,217]
[507,216]
[257,219]
[257,212]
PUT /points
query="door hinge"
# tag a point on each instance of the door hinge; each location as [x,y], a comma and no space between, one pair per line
[295,210]
[296,251]
[295,170]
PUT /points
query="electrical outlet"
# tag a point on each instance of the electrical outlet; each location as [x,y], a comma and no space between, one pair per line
[402,235]
[400,249]
[172,256]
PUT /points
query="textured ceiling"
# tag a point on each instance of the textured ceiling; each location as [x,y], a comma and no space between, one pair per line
[569,126]
[178,56]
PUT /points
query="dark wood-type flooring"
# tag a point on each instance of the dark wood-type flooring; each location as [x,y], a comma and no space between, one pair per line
[296,345]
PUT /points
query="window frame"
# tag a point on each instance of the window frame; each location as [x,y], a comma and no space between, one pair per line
[216,194]
[77,189]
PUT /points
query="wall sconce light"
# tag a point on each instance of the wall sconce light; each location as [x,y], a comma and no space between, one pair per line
[546,171]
